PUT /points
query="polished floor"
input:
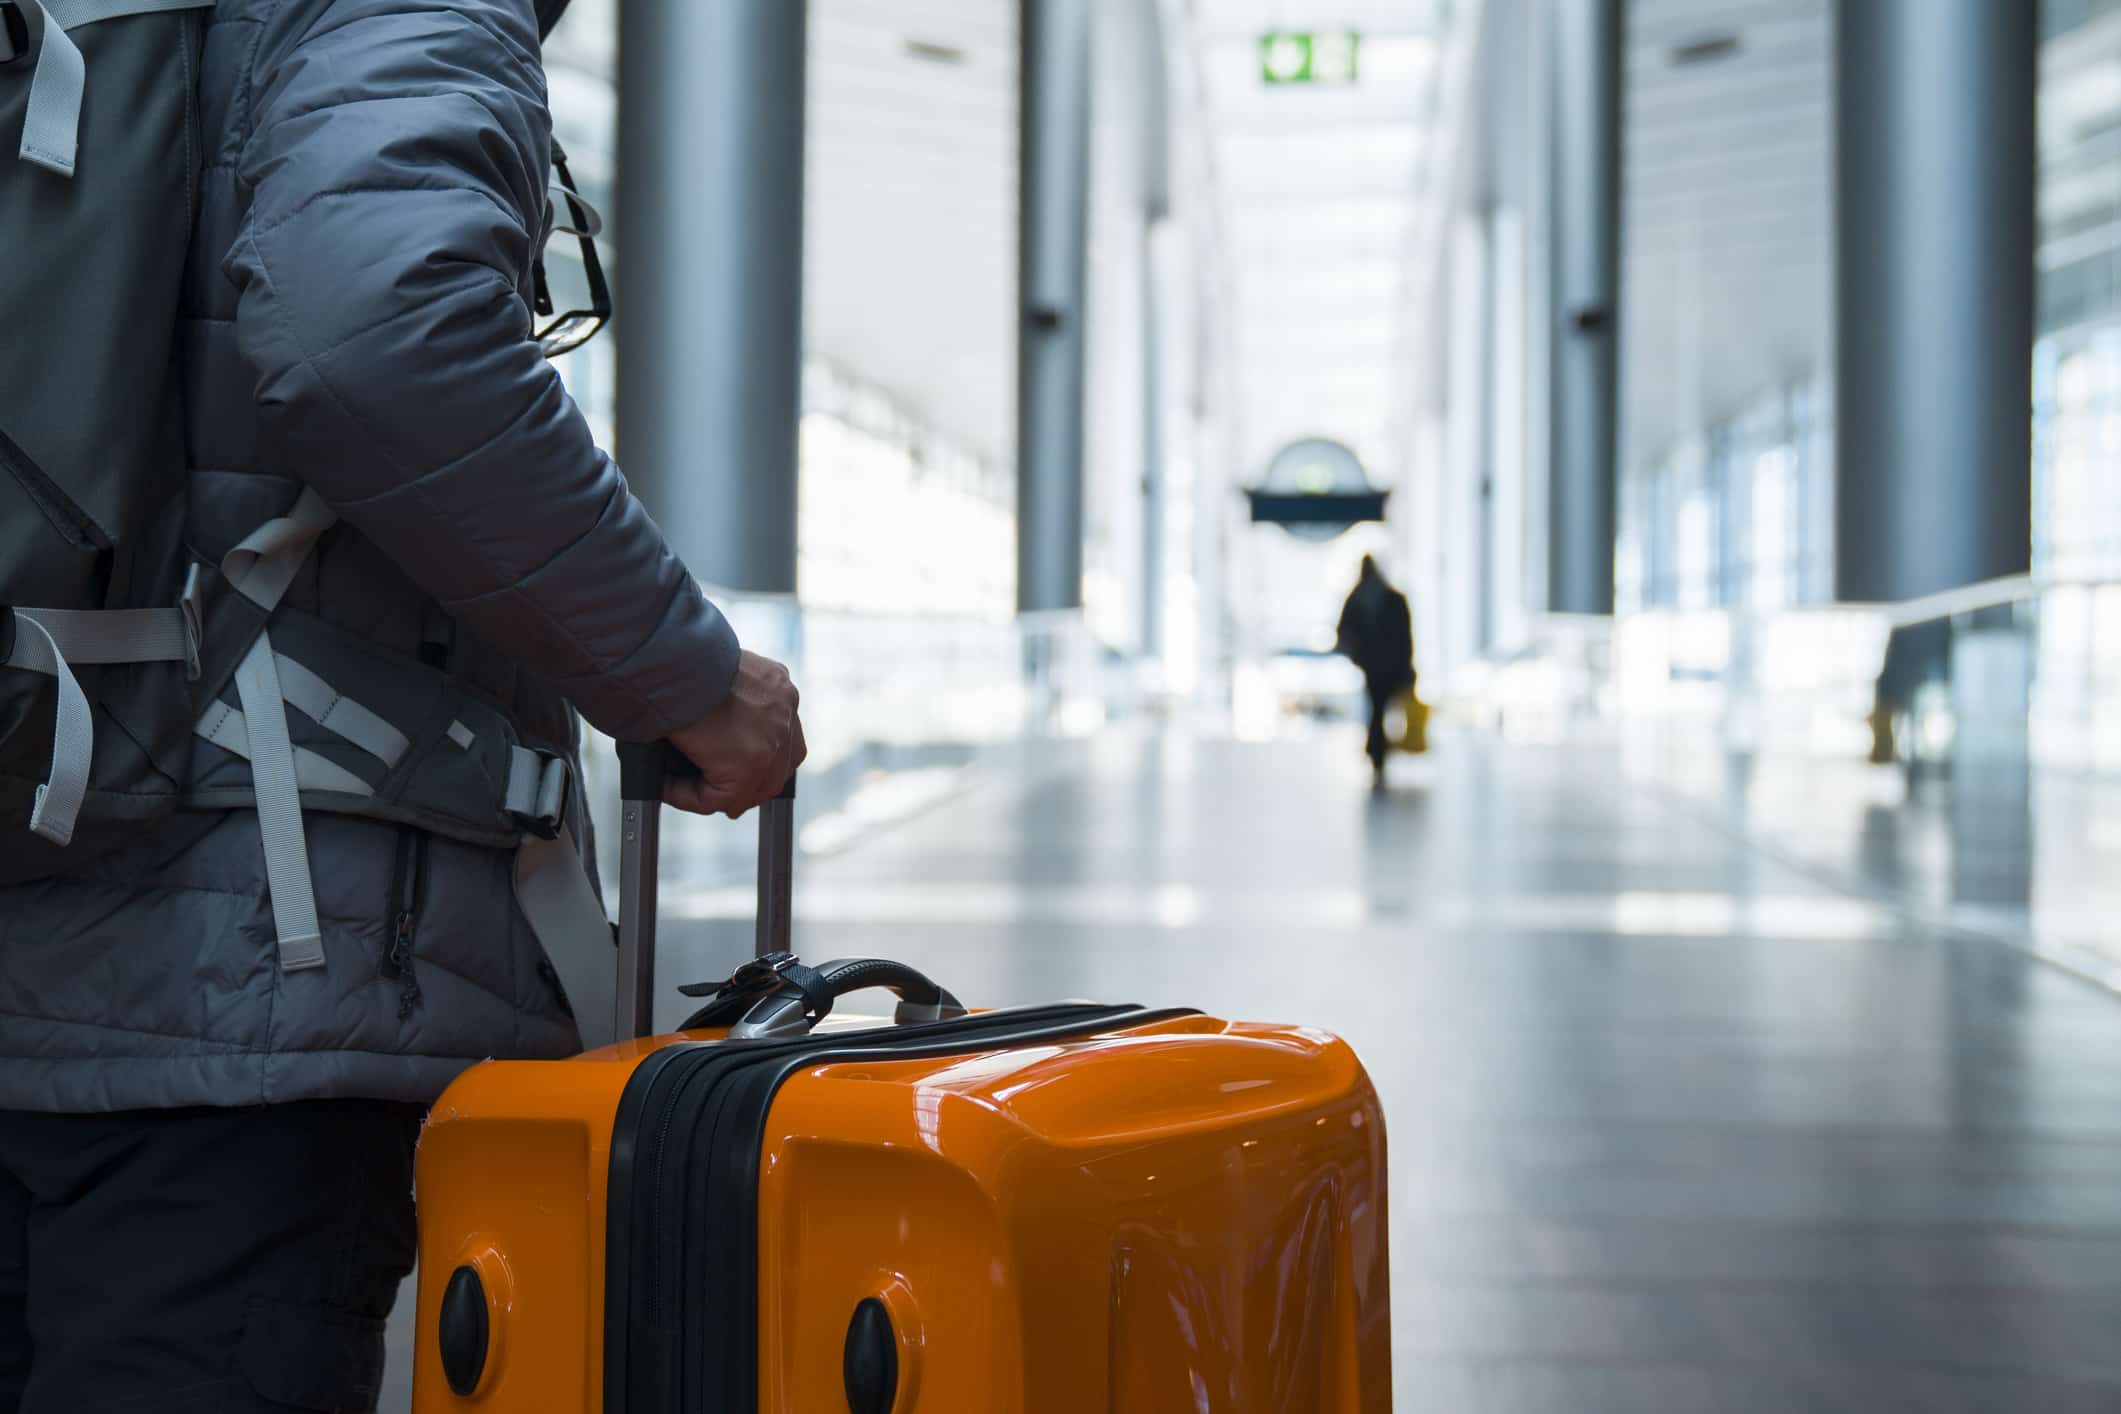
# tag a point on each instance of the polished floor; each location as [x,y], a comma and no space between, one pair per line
[1677,1124]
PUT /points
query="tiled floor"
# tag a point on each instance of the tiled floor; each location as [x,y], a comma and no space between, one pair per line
[1674,1127]
[1983,840]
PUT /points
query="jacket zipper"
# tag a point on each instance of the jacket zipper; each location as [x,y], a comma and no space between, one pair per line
[408,882]
[62,510]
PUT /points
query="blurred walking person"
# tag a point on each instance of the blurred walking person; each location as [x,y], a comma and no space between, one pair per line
[1376,633]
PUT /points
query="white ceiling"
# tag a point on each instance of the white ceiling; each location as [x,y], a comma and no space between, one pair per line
[1726,274]
[910,184]
[1317,189]
[910,232]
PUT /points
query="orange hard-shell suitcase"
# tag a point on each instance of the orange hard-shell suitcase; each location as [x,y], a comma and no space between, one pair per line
[1045,1210]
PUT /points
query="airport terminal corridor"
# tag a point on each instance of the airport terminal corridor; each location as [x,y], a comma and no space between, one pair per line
[1673,1127]
[1573,544]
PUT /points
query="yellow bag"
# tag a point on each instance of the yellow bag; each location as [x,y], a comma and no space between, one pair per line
[1413,734]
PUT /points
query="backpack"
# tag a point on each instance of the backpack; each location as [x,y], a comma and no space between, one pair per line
[135,678]
[99,620]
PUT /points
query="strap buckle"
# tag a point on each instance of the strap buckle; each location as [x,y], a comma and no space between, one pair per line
[538,791]
[762,977]
[754,979]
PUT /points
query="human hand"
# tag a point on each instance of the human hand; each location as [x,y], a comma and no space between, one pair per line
[746,748]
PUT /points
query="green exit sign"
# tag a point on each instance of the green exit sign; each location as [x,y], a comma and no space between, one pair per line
[1308,56]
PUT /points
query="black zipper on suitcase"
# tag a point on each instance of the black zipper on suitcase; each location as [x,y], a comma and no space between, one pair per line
[681,1260]
[691,1124]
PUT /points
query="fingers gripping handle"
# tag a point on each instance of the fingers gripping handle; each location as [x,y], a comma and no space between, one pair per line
[644,768]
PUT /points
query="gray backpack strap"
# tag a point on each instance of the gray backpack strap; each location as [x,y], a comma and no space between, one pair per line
[554,894]
[426,758]
[58,800]
[279,793]
[51,125]
[52,642]
[339,714]
[229,729]
[260,569]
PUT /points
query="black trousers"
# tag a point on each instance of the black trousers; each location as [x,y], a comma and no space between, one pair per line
[231,1260]
[1382,690]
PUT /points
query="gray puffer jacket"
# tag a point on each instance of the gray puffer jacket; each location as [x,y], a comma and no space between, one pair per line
[357,318]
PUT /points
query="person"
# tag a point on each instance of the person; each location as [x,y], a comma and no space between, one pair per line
[1376,633]
[1916,656]
[205,1157]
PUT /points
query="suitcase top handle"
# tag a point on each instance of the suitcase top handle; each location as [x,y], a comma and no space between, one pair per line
[776,996]
[644,767]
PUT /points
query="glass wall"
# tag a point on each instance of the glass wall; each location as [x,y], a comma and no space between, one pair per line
[880,486]
[879,491]
[2076,701]
[1737,517]
[1731,527]
[2077,367]
[903,632]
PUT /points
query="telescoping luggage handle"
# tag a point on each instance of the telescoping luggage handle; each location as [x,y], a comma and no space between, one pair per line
[773,994]
[643,769]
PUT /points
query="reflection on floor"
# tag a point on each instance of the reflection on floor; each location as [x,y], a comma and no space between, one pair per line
[1980,841]
[1674,1126]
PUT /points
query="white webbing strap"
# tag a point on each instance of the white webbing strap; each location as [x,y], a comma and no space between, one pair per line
[117,635]
[58,800]
[51,122]
[49,641]
[279,804]
[260,568]
[263,564]
[227,728]
[553,893]
[335,712]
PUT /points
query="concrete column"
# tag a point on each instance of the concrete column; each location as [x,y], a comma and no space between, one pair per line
[1585,137]
[1153,435]
[1156,209]
[709,281]
[1934,246]
[1052,251]
[1468,423]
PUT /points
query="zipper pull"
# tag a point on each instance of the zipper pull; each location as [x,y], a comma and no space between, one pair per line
[408,882]
[398,963]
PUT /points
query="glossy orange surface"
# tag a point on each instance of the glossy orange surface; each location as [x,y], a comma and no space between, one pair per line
[1183,1217]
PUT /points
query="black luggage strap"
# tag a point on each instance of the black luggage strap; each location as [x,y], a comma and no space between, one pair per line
[752,983]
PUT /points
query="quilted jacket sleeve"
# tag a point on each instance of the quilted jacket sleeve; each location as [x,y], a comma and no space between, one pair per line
[396,166]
